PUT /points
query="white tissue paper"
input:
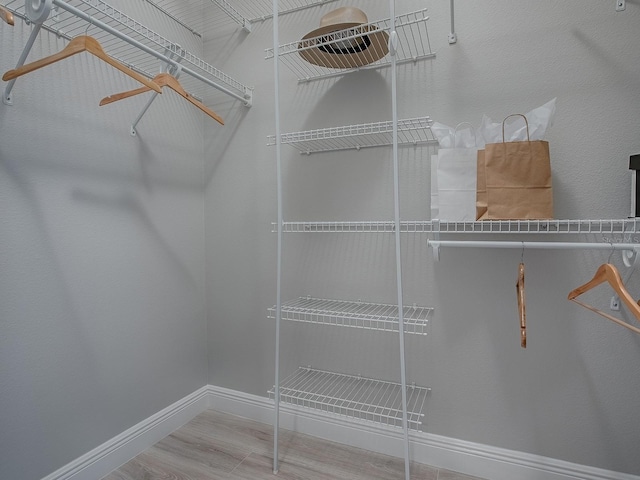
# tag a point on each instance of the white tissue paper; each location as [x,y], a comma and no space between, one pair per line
[464,138]
[515,130]
[435,200]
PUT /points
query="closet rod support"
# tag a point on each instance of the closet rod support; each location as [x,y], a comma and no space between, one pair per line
[38,10]
[453,37]
[6,99]
[234,14]
[174,70]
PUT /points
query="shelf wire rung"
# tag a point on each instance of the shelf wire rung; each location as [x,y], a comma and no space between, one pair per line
[355,314]
[352,396]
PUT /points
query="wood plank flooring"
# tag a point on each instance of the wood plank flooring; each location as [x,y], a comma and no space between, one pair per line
[218,446]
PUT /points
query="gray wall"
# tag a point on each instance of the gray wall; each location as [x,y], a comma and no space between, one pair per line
[572,394]
[102,310]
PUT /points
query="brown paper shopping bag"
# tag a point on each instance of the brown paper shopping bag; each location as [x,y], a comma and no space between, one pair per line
[518,179]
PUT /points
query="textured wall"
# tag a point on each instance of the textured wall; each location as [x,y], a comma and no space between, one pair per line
[102,312]
[572,394]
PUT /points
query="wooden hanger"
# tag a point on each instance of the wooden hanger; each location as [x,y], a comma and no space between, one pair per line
[164,80]
[521,306]
[6,15]
[82,43]
[609,273]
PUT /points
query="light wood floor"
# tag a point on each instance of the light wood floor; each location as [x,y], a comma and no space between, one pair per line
[217,446]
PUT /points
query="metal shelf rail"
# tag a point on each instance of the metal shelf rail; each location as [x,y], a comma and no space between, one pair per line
[242,13]
[626,226]
[368,316]
[353,396]
[411,131]
[610,226]
[123,38]
[413,45]
[260,10]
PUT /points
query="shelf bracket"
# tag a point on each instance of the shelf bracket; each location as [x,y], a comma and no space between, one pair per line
[37,12]
[453,37]
[435,246]
[174,70]
[234,14]
[631,260]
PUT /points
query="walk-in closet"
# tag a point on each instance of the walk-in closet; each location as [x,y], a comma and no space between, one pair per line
[319,239]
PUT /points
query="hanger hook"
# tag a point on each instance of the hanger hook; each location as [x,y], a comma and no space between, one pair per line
[522,254]
[611,254]
[86,32]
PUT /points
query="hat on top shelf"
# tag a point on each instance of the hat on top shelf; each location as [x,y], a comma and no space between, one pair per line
[345,39]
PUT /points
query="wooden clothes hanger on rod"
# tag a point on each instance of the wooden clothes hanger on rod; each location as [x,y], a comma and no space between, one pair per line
[164,80]
[609,273]
[82,43]
[521,306]
[6,15]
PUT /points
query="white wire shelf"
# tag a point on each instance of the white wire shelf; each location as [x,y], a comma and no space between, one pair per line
[353,396]
[355,314]
[188,14]
[413,45]
[243,13]
[411,131]
[616,226]
[260,10]
[67,24]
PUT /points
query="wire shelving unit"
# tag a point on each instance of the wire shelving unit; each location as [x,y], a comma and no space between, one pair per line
[413,45]
[400,39]
[355,314]
[353,396]
[411,131]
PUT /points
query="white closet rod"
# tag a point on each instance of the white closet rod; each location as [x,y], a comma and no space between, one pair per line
[95,22]
[538,245]
[437,244]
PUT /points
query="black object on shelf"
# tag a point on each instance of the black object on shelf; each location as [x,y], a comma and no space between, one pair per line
[634,166]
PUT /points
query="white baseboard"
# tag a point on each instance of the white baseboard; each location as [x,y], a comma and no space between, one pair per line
[448,453]
[110,455]
[466,457]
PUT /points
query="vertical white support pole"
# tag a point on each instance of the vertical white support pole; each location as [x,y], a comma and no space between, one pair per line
[276,79]
[393,41]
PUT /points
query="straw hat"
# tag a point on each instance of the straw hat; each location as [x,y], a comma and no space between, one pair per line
[343,49]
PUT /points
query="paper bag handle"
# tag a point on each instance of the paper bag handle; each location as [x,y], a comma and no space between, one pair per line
[514,115]
[475,134]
